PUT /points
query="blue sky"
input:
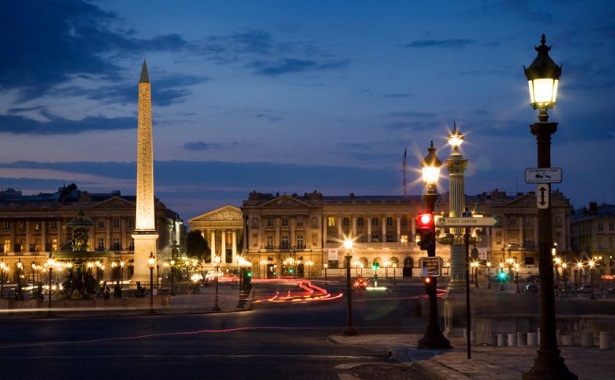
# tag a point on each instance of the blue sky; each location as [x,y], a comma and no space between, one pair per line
[296,96]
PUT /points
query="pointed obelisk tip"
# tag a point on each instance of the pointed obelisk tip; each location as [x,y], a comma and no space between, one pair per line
[144,74]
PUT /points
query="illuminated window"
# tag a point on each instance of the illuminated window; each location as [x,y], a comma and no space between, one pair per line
[54,244]
[331,221]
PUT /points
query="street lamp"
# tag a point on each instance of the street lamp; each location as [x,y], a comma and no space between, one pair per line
[216,264]
[349,330]
[516,265]
[488,274]
[592,265]
[50,263]
[543,80]
[151,262]
[433,337]
[326,266]
[474,265]
[172,264]
[3,268]
[394,277]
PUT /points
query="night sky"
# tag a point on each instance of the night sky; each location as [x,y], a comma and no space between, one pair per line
[296,96]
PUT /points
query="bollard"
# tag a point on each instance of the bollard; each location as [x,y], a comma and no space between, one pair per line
[567,340]
[501,339]
[512,339]
[532,339]
[606,340]
[521,339]
[587,339]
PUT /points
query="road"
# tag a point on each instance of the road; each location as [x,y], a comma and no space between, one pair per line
[272,341]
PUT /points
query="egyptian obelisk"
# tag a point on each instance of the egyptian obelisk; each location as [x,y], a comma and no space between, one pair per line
[145,235]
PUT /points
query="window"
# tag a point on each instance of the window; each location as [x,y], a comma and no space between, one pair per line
[101,224]
[611,226]
[375,237]
[374,221]
[600,227]
[269,222]
[389,221]
[300,222]
[101,244]
[285,244]
[345,222]
[7,225]
[330,221]
[116,245]
[131,245]
[284,222]
[116,222]
[300,243]
[360,221]
[7,245]
[54,244]
[54,224]
[269,242]
[390,238]
[131,223]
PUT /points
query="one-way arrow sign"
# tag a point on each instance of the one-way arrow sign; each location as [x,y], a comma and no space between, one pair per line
[543,193]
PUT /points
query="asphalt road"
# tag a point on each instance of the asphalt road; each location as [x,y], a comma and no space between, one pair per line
[272,341]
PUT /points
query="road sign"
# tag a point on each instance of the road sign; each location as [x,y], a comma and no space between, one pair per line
[486,221]
[543,192]
[543,175]
[431,266]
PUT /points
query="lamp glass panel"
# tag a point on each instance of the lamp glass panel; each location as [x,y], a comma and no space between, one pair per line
[431,174]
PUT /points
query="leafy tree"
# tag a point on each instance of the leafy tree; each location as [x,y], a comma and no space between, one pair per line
[196,245]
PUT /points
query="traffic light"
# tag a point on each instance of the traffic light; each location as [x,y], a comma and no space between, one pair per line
[425,231]
[430,285]
[375,266]
[502,276]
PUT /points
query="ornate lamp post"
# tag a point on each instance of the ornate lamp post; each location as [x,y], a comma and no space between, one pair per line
[50,263]
[216,264]
[433,337]
[592,264]
[349,330]
[151,263]
[326,266]
[3,268]
[488,274]
[172,264]
[543,80]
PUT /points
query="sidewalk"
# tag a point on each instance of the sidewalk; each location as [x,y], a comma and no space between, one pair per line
[487,362]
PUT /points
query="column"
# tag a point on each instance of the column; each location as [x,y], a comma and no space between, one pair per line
[223,247]
[212,244]
[234,255]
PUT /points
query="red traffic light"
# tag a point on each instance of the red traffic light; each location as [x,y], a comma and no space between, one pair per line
[425,219]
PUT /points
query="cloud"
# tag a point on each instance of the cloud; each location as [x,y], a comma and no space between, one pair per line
[201,145]
[18,125]
[291,65]
[70,38]
[458,43]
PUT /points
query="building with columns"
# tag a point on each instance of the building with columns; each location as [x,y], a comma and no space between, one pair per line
[223,230]
[32,226]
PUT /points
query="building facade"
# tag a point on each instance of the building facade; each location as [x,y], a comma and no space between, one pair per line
[593,235]
[223,229]
[33,226]
[301,235]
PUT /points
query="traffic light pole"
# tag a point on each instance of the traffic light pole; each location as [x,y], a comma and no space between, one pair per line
[433,338]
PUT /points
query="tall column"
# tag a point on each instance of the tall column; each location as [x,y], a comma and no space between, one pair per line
[212,243]
[234,248]
[456,166]
[223,247]
[145,235]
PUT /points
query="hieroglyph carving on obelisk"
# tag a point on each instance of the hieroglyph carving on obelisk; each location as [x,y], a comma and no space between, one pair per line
[145,235]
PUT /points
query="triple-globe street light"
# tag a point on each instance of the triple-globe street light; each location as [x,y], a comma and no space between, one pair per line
[543,80]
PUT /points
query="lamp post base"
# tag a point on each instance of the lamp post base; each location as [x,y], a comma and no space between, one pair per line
[349,331]
[549,365]
[434,339]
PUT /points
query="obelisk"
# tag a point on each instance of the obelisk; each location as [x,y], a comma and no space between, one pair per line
[145,235]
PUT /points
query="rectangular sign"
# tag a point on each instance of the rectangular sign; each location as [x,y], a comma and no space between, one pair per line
[486,221]
[431,267]
[543,175]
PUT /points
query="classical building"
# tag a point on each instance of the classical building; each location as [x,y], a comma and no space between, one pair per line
[223,230]
[32,226]
[593,235]
[300,235]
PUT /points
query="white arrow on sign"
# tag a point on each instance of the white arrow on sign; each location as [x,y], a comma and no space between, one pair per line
[543,191]
[486,221]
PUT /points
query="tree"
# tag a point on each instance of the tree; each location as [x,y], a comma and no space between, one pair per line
[196,245]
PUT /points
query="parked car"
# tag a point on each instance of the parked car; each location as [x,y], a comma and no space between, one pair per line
[585,288]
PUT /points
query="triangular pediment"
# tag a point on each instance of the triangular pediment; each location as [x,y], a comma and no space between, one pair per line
[115,202]
[224,213]
[285,201]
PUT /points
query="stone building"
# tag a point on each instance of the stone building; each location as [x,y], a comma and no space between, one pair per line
[32,226]
[593,235]
[223,230]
